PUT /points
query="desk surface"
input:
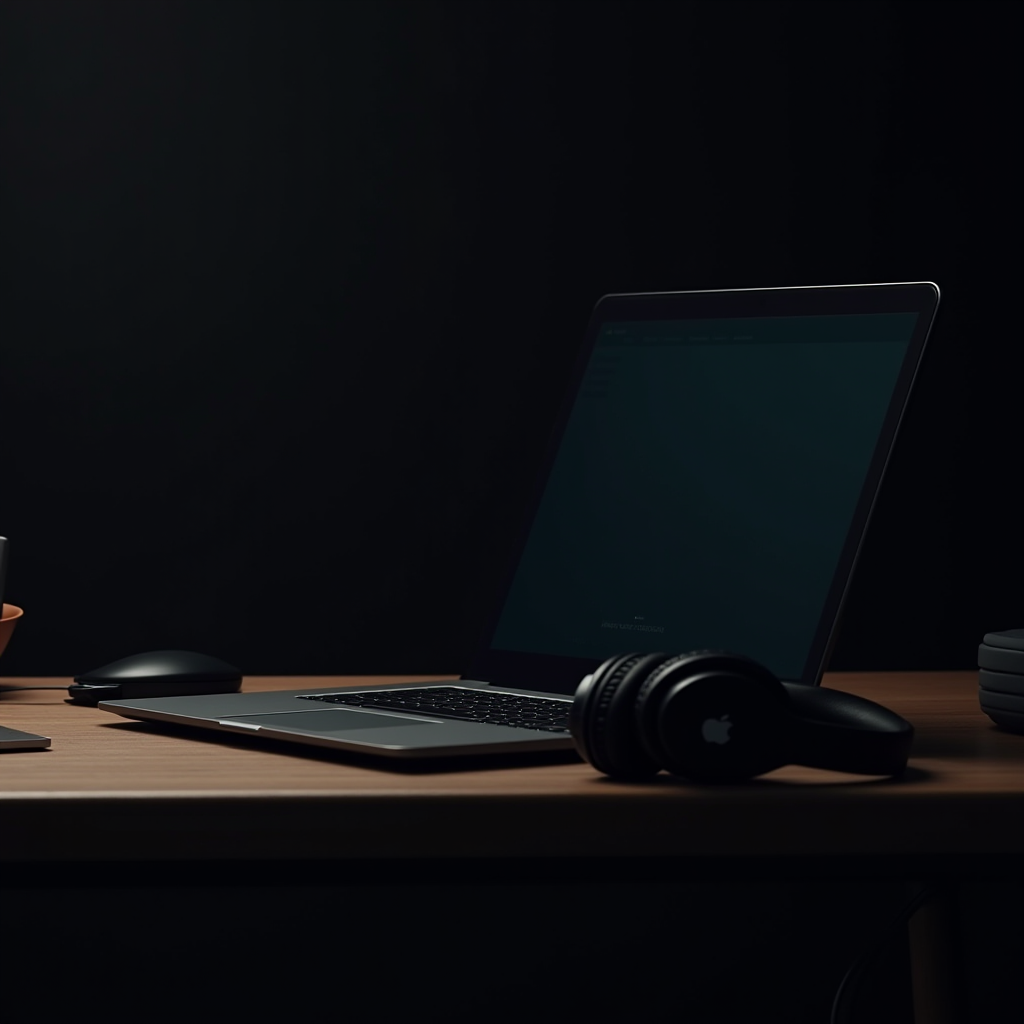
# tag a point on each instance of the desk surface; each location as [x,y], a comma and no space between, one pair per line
[110,789]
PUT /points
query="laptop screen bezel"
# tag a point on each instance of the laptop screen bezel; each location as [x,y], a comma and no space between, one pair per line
[551,673]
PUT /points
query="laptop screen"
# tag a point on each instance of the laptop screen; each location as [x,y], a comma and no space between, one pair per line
[704,486]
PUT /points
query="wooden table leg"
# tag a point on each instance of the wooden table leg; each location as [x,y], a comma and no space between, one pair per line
[933,932]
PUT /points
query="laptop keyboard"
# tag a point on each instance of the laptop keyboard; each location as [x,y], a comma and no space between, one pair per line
[464,704]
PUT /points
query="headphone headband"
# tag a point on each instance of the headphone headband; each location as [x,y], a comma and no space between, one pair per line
[847,733]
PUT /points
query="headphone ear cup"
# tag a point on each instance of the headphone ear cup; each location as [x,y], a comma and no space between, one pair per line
[602,722]
[710,716]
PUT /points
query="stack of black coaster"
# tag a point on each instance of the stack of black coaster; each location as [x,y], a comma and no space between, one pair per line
[1001,678]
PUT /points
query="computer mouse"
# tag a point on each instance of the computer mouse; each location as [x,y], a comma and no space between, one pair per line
[156,674]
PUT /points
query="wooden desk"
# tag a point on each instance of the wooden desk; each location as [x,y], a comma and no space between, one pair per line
[126,837]
[114,789]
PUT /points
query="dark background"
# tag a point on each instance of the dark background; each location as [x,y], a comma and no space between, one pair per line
[290,292]
[288,295]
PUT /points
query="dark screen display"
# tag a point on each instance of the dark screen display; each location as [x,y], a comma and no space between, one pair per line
[704,487]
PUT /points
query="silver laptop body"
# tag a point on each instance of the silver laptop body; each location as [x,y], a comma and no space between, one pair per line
[708,484]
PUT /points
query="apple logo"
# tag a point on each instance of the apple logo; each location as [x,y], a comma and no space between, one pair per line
[716,730]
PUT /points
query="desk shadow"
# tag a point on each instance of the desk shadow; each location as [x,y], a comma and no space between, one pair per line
[910,775]
[431,766]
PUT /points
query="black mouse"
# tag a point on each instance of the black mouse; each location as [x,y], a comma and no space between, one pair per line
[156,674]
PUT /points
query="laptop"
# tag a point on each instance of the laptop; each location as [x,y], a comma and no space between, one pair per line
[708,484]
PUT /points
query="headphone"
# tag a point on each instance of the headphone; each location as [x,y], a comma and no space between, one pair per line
[710,716]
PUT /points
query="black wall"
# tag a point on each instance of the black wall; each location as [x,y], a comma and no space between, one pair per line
[289,291]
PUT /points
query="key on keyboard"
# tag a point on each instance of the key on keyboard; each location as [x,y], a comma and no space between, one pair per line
[543,714]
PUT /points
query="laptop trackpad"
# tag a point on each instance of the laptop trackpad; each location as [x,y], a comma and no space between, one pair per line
[341,720]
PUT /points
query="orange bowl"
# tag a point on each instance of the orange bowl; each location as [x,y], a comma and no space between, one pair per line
[9,619]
